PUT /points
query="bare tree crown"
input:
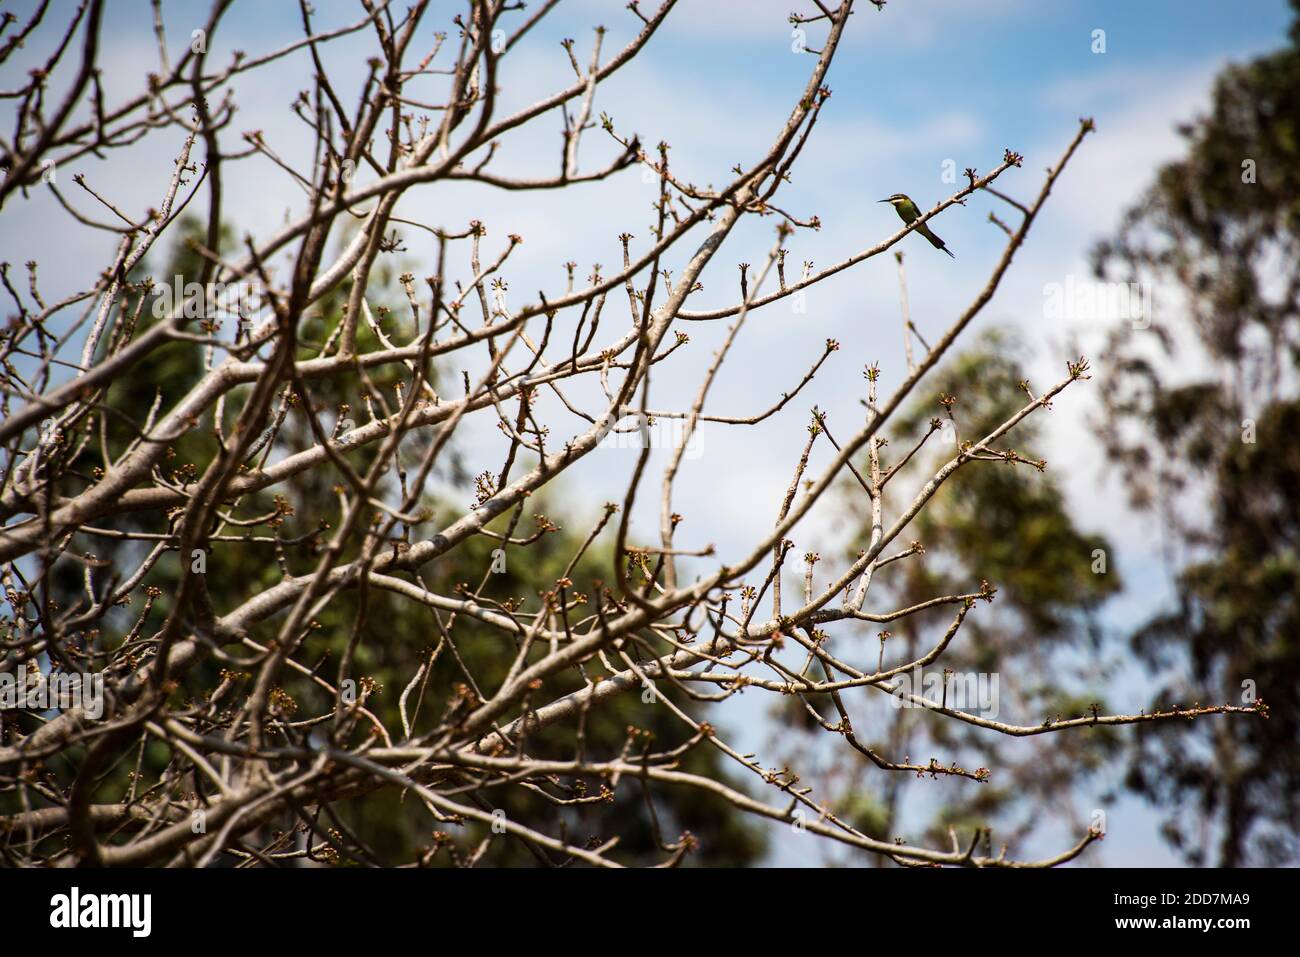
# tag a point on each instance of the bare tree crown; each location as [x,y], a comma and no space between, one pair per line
[310,397]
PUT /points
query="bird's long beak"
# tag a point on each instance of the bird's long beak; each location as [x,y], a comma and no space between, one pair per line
[882,201]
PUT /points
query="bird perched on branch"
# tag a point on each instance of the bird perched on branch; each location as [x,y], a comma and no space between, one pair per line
[909,212]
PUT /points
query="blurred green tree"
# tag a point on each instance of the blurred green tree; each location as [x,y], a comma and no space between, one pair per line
[1007,524]
[1201,415]
[397,826]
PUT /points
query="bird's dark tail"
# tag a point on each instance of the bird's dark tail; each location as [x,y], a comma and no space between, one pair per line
[938,243]
[935,241]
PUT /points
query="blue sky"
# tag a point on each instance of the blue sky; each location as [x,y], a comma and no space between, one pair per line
[914,85]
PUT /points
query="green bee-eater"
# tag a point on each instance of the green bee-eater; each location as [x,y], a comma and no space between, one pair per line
[908,212]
